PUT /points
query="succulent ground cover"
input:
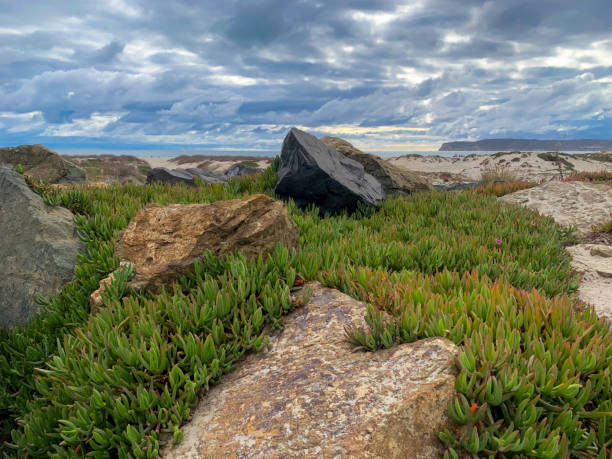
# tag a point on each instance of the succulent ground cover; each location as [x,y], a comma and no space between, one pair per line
[534,372]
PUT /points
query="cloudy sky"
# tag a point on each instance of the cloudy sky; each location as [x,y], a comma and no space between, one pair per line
[387,75]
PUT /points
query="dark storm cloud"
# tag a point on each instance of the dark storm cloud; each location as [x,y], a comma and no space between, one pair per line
[239,73]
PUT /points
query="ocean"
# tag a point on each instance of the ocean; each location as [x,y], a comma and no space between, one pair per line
[170,153]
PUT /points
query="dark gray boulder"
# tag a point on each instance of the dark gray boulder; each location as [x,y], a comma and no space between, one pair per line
[42,164]
[38,248]
[174,176]
[209,176]
[171,176]
[74,174]
[238,170]
[311,172]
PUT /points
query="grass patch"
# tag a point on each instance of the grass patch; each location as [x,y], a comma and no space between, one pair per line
[501,189]
[593,177]
[119,382]
[556,158]
[498,174]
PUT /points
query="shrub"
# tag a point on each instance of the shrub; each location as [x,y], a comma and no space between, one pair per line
[498,174]
[19,169]
[501,189]
[593,177]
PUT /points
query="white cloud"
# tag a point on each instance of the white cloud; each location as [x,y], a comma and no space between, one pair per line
[91,127]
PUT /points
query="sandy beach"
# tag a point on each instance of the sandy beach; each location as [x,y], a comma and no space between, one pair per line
[529,166]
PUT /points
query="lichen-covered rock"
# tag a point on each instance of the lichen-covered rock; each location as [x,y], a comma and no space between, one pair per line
[38,248]
[311,172]
[310,395]
[394,180]
[163,242]
[42,164]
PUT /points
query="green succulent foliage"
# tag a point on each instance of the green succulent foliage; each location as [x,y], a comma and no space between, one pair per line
[534,374]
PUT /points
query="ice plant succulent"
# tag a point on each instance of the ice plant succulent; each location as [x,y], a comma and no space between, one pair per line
[534,373]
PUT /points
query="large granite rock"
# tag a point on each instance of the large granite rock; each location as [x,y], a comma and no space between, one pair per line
[393,179]
[42,164]
[311,172]
[38,246]
[174,176]
[163,242]
[309,395]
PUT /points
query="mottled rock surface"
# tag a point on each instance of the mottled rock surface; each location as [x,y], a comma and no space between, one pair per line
[595,268]
[311,172]
[163,242]
[310,395]
[42,164]
[38,248]
[394,179]
[578,204]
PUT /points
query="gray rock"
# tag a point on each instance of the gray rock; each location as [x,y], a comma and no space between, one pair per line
[311,172]
[171,176]
[74,174]
[209,176]
[42,164]
[38,246]
[238,170]
[394,180]
[174,176]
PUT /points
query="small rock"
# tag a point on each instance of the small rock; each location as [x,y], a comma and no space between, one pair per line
[238,170]
[163,242]
[171,176]
[42,164]
[605,273]
[602,251]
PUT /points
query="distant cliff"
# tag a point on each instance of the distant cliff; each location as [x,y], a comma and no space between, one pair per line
[529,145]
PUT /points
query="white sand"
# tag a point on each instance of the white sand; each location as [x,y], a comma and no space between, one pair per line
[526,166]
[578,204]
[582,205]
[213,165]
[596,283]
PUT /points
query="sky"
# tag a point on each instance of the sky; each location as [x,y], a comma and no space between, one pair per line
[236,75]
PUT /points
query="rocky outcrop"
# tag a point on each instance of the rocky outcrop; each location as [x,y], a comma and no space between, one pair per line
[163,242]
[579,204]
[393,179]
[310,395]
[38,247]
[593,262]
[311,172]
[42,164]
[187,176]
